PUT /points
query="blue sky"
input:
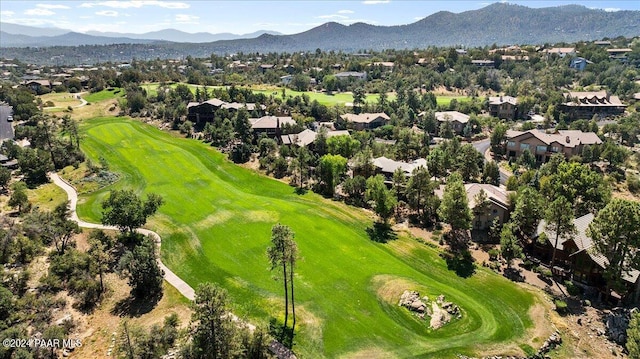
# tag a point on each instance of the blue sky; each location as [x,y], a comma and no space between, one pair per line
[242,16]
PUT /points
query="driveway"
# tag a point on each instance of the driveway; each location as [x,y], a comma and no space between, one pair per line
[483,147]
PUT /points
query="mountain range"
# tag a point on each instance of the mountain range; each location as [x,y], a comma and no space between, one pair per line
[498,23]
[14,35]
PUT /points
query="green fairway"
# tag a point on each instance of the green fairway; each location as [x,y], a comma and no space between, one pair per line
[215,226]
[338,98]
[104,95]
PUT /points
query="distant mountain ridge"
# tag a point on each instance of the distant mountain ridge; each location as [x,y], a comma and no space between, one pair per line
[14,35]
[498,23]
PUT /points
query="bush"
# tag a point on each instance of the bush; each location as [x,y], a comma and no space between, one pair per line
[493,254]
[633,184]
[544,271]
[561,306]
[527,264]
[572,288]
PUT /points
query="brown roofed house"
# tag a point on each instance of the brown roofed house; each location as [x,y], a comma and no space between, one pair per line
[366,121]
[585,105]
[544,145]
[504,107]
[458,120]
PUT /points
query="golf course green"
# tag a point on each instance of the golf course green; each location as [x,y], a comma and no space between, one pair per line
[216,225]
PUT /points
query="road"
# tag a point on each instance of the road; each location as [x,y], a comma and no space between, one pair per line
[6,129]
[483,147]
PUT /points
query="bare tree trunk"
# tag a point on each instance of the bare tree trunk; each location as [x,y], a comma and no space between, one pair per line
[553,256]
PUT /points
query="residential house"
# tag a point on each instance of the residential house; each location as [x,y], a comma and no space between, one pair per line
[619,54]
[515,58]
[387,167]
[38,85]
[578,254]
[503,107]
[307,137]
[199,112]
[602,43]
[579,63]
[484,63]
[561,51]
[384,65]
[457,120]
[585,105]
[351,75]
[543,145]
[270,125]
[498,204]
[265,67]
[286,79]
[366,121]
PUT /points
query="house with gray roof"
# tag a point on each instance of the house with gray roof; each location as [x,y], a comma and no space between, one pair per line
[498,203]
[458,120]
[578,253]
[366,121]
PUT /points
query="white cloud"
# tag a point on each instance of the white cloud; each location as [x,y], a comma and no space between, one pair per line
[345,12]
[375,2]
[52,6]
[7,13]
[187,19]
[334,16]
[107,13]
[39,12]
[137,4]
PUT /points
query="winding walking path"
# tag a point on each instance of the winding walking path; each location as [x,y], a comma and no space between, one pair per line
[185,289]
[182,286]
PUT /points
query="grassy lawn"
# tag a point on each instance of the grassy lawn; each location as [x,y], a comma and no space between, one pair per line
[216,226]
[103,95]
[60,101]
[338,98]
[47,196]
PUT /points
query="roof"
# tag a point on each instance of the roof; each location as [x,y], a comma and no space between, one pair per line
[351,74]
[592,98]
[388,165]
[449,116]
[307,137]
[560,50]
[227,105]
[270,122]
[499,100]
[496,195]
[584,243]
[365,117]
[567,138]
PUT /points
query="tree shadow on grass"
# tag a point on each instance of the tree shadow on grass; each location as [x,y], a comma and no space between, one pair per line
[381,233]
[283,335]
[135,307]
[460,262]
[300,190]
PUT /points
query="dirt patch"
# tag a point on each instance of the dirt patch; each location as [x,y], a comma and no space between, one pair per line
[97,330]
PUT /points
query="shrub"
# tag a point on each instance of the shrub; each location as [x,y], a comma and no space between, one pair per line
[572,288]
[561,306]
[544,271]
[493,254]
[633,184]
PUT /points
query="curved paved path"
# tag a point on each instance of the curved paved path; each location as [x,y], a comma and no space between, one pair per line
[182,286]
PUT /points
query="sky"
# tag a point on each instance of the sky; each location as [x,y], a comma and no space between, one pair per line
[241,17]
